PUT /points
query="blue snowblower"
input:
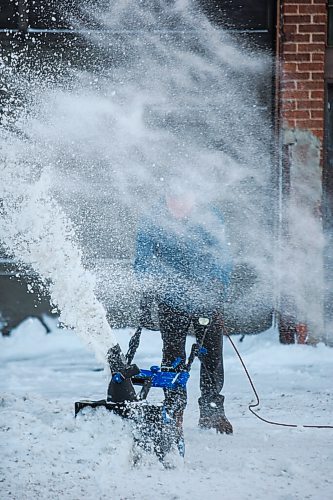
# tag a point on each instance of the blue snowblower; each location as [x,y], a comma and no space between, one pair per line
[155,428]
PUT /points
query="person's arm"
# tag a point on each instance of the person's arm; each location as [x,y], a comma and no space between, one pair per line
[144,254]
[222,264]
[222,272]
[144,270]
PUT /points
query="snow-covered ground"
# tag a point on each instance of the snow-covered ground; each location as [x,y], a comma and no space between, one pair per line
[47,454]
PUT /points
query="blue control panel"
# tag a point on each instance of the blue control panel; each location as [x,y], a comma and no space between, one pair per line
[165,379]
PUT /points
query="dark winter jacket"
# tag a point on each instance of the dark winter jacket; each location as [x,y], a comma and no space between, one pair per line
[186,261]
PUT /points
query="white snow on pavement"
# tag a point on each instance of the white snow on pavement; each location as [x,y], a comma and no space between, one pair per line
[47,454]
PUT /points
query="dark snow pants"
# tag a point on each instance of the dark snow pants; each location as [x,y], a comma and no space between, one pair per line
[174,326]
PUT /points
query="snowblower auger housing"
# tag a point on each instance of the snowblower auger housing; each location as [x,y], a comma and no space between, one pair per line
[154,428]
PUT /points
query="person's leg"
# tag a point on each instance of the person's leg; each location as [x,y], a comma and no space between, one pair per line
[211,369]
[173,326]
[211,402]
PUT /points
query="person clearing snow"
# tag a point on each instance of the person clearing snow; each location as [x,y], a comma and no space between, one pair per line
[183,263]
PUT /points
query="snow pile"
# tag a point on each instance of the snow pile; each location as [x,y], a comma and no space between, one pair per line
[47,454]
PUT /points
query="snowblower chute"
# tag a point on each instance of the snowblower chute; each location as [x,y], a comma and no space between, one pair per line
[154,427]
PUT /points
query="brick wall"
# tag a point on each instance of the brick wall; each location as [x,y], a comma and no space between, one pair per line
[302,33]
[302,55]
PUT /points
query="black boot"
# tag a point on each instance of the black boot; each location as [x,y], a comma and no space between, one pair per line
[212,414]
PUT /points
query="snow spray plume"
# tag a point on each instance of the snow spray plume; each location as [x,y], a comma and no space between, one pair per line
[162,94]
[39,234]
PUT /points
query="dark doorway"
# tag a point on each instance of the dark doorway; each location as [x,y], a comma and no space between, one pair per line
[36,33]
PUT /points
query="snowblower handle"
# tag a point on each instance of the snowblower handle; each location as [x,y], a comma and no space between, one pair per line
[196,351]
[133,345]
[120,388]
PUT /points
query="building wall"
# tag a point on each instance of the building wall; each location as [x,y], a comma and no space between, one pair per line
[302,53]
[21,23]
[301,40]
[301,47]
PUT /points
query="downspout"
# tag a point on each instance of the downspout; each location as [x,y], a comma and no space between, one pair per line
[278,162]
